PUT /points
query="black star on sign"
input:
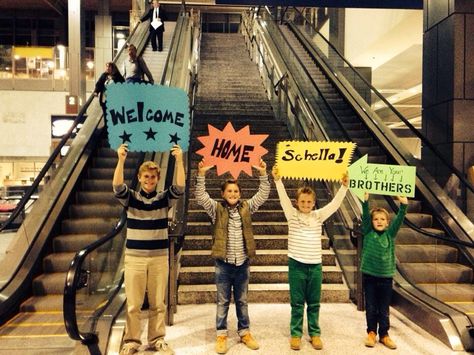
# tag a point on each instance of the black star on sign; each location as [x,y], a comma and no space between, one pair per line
[126,137]
[150,134]
[174,138]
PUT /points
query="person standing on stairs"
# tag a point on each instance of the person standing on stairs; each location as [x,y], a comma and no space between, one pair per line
[378,267]
[111,75]
[305,256]
[135,68]
[146,252]
[232,246]
[157,17]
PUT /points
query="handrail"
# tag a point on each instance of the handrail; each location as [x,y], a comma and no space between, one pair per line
[29,192]
[425,141]
[427,233]
[74,274]
[73,278]
[345,222]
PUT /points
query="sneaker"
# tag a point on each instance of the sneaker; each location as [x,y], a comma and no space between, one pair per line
[221,344]
[370,341]
[295,343]
[129,348]
[389,343]
[316,342]
[249,341]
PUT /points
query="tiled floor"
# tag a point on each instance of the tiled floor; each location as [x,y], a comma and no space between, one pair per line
[343,332]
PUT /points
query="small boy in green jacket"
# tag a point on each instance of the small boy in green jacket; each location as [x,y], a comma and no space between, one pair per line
[378,268]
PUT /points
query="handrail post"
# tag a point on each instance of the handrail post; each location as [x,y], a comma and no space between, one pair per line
[357,232]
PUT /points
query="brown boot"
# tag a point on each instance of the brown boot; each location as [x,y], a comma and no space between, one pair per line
[316,342]
[389,343]
[221,344]
[371,339]
[249,341]
[295,343]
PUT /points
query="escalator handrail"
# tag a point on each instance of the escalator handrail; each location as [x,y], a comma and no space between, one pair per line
[296,30]
[347,225]
[74,272]
[425,141]
[73,277]
[49,163]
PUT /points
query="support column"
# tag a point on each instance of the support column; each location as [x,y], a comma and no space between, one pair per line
[448,82]
[103,51]
[77,72]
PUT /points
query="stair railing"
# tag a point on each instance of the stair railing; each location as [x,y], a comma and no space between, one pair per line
[78,275]
[339,58]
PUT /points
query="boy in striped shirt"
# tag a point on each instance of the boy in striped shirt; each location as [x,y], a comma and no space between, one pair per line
[232,245]
[146,252]
[305,256]
[378,268]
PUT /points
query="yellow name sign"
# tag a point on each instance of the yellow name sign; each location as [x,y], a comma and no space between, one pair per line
[313,160]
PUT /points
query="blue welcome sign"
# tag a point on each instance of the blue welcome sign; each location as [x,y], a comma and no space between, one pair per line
[149,118]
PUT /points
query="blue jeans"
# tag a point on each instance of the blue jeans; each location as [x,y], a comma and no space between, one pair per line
[378,293]
[230,277]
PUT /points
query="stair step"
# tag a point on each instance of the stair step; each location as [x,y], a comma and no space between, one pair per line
[271,241]
[260,293]
[450,292]
[258,227]
[88,225]
[407,253]
[258,274]
[263,257]
[438,272]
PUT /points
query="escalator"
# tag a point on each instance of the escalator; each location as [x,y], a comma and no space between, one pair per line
[94,298]
[75,208]
[435,248]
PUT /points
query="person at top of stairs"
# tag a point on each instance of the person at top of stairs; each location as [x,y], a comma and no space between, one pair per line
[378,267]
[232,246]
[305,256]
[157,17]
[146,253]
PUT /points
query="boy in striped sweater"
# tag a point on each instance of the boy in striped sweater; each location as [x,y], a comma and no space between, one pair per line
[305,256]
[146,252]
[378,268]
[232,245]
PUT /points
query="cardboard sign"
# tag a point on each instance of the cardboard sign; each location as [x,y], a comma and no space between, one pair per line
[149,118]
[313,160]
[232,151]
[381,179]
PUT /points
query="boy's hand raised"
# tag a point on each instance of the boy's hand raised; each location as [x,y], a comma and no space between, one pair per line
[177,152]
[202,169]
[275,173]
[262,168]
[345,179]
[403,200]
[122,152]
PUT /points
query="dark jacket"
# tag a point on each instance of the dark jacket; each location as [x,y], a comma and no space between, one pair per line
[100,84]
[161,14]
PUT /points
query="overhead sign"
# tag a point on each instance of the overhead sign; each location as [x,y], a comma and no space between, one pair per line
[381,179]
[232,151]
[149,118]
[313,160]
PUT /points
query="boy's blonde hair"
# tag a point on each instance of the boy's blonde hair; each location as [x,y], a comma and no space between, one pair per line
[149,166]
[379,210]
[305,190]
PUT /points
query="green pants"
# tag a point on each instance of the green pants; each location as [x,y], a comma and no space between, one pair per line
[305,286]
